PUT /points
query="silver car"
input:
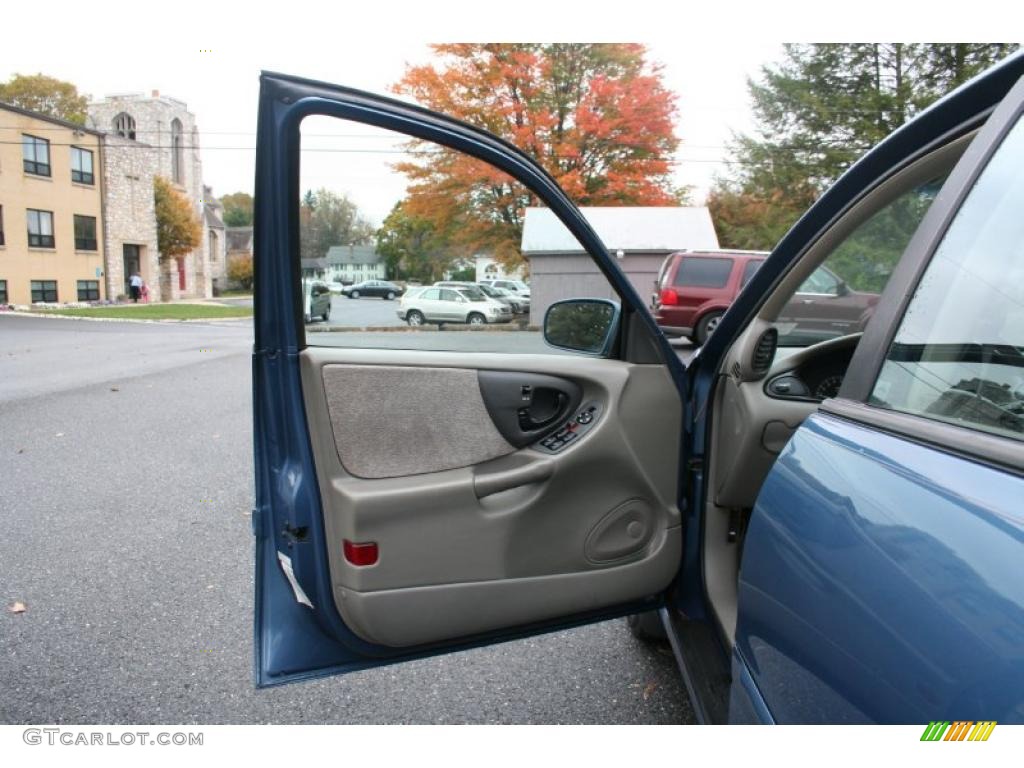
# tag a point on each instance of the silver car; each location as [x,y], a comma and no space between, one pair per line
[465,304]
[518,304]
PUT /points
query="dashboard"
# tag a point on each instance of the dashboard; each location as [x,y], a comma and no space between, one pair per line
[816,373]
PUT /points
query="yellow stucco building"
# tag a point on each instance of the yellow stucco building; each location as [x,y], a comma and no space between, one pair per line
[51,210]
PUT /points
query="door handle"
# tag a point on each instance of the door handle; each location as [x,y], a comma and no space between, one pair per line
[546,406]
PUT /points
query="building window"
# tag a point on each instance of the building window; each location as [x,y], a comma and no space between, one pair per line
[35,154]
[88,290]
[124,126]
[81,166]
[85,233]
[3,291]
[177,153]
[213,245]
[44,290]
[40,229]
[1,225]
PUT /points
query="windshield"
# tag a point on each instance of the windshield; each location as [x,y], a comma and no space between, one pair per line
[491,291]
[840,296]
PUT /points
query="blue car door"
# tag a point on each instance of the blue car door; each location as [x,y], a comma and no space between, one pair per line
[882,576]
[419,491]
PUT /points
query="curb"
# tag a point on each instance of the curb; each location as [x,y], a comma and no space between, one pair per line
[169,321]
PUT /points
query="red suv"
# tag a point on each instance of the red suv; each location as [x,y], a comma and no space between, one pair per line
[695,288]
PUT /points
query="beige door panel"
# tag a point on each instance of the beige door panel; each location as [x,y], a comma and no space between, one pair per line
[487,536]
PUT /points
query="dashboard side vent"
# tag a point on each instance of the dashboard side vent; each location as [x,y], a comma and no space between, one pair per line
[764,352]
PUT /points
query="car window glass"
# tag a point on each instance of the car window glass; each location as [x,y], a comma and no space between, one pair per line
[703,272]
[821,282]
[840,296]
[748,271]
[379,211]
[958,354]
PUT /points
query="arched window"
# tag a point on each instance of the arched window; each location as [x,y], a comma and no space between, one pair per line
[124,125]
[177,153]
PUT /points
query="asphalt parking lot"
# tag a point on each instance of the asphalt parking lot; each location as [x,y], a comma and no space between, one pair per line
[126,460]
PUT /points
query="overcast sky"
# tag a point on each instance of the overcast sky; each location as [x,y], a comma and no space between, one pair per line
[210,55]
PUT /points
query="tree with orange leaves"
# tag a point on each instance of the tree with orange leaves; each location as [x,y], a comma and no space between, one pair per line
[597,117]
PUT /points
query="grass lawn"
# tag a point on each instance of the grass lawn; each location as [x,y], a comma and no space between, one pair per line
[155,311]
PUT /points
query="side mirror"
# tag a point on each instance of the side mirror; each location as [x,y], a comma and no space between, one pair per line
[842,289]
[582,325]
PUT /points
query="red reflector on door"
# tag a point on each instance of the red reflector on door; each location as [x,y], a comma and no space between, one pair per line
[360,554]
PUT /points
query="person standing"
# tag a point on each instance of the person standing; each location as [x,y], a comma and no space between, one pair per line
[135,285]
[145,293]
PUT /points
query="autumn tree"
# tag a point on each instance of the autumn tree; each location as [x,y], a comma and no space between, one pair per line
[237,209]
[597,117]
[240,270]
[817,111]
[178,230]
[326,219]
[47,95]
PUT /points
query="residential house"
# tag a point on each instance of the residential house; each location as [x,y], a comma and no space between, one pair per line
[51,210]
[353,264]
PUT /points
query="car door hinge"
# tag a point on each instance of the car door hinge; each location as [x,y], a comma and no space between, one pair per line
[256,520]
[695,463]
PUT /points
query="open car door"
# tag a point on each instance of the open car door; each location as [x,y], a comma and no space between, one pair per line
[420,491]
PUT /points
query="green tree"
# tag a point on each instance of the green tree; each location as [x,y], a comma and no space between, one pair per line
[47,95]
[327,218]
[178,230]
[237,209]
[412,246]
[817,111]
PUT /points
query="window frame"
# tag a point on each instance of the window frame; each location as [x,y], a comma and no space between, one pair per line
[41,242]
[96,290]
[33,290]
[84,178]
[2,241]
[35,142]
[872,351]
[4,296]
[85,243]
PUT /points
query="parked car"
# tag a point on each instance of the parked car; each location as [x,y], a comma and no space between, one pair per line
[317,301]
[336,287]
[382,289]
[515,286]
[695,288]
[517,303]
[827,532]
[464,304]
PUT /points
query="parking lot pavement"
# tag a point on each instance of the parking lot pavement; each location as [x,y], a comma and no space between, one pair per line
[126,494]
[364,312]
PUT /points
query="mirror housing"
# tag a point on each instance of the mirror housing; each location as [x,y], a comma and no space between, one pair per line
[588,326]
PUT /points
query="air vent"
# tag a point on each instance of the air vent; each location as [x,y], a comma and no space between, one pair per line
[764,352]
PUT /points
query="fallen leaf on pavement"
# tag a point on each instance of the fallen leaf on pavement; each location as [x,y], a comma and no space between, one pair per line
[17,607]
[648,690]
[114,389]
[60,434]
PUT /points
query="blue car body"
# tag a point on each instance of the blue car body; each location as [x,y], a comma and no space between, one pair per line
[881,580]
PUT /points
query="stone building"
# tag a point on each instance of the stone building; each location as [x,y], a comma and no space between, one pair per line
[148,136]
